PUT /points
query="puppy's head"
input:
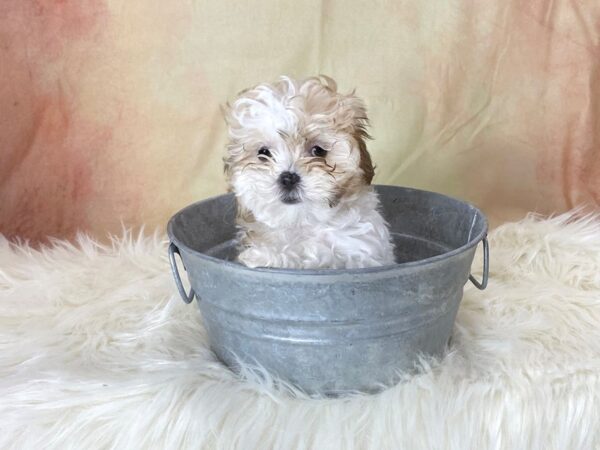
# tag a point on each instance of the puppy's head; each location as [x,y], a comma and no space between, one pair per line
[296,149]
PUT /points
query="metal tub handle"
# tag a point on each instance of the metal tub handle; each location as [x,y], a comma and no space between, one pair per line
[187,298]
[486,267]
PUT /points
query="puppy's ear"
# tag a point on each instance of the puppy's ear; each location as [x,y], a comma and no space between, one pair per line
[230,121]
[360,123]
[365,164]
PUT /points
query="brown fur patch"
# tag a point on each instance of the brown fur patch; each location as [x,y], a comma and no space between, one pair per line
[244,218]
[366,165]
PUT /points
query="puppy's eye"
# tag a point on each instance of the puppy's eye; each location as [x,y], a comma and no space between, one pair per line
[319,152]
[264,152]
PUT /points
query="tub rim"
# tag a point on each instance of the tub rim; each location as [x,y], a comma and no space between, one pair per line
[474,241]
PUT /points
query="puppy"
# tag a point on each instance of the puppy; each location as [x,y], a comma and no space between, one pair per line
[300,170]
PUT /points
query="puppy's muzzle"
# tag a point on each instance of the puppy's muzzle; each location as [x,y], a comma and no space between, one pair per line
[289,180]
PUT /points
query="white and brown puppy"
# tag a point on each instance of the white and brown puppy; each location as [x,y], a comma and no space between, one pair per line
[298,164]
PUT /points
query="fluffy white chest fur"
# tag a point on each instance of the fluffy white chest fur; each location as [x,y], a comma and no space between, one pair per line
[351,235]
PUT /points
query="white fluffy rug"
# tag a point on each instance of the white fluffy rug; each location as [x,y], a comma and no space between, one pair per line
[98,351]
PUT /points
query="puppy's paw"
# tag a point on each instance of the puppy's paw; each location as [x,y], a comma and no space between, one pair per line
[253,257]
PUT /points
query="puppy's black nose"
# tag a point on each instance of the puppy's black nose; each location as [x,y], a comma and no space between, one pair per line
[289,180]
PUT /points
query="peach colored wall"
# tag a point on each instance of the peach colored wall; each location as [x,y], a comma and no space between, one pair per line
[109,109]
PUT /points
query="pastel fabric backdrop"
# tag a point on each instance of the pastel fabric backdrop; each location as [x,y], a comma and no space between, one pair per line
[110,109]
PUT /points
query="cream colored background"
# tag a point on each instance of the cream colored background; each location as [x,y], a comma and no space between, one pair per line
[110,109]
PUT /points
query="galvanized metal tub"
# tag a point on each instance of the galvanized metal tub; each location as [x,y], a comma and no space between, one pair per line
[333,331]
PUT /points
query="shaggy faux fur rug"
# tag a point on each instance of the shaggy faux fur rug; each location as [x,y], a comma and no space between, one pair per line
[98,351]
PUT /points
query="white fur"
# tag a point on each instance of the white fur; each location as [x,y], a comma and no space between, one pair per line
[321,230]
[98,352]
[351,235]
